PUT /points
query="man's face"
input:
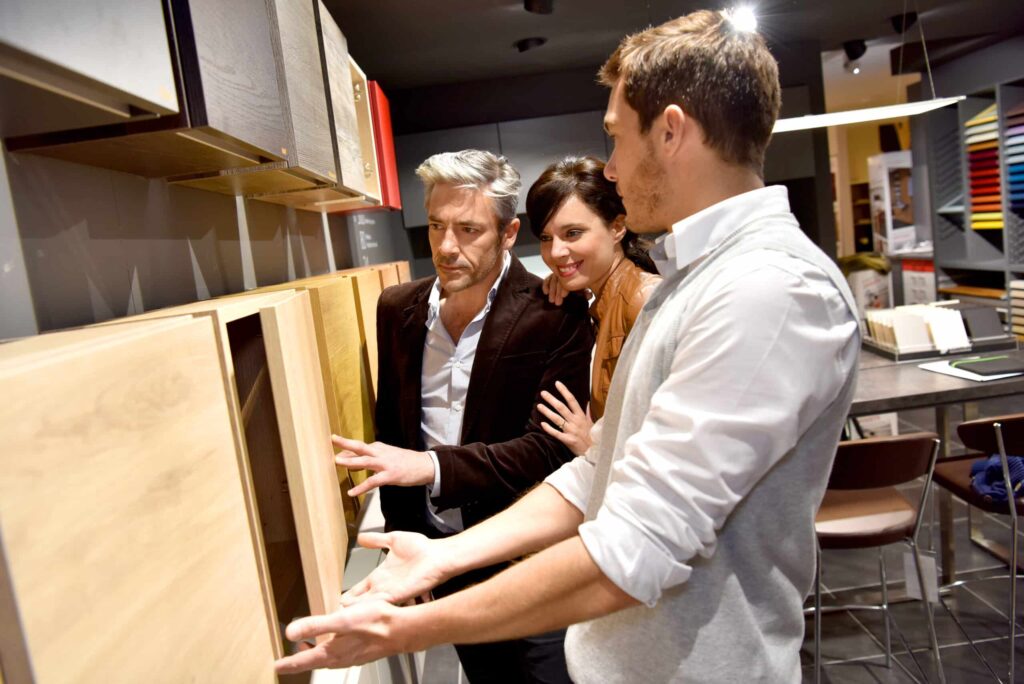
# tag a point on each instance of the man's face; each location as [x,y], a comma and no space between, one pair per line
[633,167]
[465,242]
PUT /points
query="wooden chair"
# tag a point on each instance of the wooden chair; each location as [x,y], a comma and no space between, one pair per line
[862,509]
[1000,435]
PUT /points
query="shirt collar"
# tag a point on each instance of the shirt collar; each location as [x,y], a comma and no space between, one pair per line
[434,299]
[697,235]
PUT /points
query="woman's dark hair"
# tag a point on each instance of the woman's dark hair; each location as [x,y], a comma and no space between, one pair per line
[582,177]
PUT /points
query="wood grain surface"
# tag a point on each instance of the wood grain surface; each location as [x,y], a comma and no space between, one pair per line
[368,288]
[126,544]
[304,86]
[343,106]
[367,144]
[308,454]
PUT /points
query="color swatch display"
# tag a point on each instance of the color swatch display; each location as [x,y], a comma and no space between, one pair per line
[1013,151]
[981,136]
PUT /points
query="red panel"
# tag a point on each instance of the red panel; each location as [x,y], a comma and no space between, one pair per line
[385,143]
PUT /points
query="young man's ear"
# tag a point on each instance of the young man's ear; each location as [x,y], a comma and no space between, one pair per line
[675,123]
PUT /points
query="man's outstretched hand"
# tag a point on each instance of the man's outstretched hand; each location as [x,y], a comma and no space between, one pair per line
[361,634]
[391,465]
[414,566]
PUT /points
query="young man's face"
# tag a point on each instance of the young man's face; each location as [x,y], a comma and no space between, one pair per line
[465,241]
[638,177]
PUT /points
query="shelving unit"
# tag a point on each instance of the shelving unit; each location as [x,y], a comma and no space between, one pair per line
[863,239]
[977,221]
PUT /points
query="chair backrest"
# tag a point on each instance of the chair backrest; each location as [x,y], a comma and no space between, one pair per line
[980,435]
[882,461]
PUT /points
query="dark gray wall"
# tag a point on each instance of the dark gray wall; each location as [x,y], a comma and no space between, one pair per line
[99,244]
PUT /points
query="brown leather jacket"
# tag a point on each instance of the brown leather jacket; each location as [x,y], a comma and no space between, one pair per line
[615,310]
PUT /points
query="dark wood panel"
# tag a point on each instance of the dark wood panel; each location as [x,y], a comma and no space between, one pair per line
[304,86]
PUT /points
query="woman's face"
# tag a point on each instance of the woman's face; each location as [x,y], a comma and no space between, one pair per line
[579,247]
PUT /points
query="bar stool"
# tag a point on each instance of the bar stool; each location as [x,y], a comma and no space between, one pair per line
[862,509]
[999,435]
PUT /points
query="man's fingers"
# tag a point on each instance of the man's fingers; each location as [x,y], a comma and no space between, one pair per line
[374,540]
[303,661]
[570,399]
[314,626]
[378,480]
[350,460]
[353,445]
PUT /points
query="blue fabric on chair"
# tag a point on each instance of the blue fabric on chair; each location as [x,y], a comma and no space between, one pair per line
[987,476]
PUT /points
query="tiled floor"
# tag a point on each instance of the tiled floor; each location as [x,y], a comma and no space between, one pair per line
[852,641]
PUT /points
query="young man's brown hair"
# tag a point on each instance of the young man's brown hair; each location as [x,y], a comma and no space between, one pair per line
[723,77]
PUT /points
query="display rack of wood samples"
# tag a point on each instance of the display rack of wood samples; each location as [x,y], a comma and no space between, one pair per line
[271,372]
[127,554]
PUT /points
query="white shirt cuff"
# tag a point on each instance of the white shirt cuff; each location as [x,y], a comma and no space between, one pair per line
[434,489]
[630,559]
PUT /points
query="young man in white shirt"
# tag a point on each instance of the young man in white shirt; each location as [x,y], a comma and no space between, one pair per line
[681,547]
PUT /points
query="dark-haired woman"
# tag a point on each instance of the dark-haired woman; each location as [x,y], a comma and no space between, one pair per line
[581,223]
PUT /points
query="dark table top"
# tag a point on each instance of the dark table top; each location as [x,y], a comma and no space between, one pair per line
[884,385]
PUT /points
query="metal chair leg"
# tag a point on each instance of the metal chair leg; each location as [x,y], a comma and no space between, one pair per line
[885,607]
[1011,501]
[817,615]
[927,607]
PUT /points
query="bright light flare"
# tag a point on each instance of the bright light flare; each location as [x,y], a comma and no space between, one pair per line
[742,18]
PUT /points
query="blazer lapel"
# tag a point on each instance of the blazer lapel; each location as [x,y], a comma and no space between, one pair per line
[508,305]
[413,333]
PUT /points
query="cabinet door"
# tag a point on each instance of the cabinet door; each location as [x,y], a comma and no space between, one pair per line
[305,86]
[343,106]
[71,64]
[120,496]
[533,144]
[412,150]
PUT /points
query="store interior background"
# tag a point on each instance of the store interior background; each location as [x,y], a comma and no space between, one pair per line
[80,244]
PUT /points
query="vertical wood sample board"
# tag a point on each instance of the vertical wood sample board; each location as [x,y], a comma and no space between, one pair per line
[126,551]
[282,430]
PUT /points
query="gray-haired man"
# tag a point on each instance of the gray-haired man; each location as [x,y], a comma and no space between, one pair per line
[463,357]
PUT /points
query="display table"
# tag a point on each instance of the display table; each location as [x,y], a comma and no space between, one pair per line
[884,386]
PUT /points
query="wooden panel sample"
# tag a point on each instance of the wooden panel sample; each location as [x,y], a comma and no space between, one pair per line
[308,454]
[68,64]
[305,87]
[232,112]
[343,107]
[360,93]
[368,289]
[126,550]
[388,274]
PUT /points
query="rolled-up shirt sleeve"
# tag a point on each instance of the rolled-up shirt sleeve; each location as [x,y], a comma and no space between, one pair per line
[753,366]
[575,479]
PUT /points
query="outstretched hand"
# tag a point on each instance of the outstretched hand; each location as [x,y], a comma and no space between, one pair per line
[570,424]
[414,566]
[361,634]
[391,465]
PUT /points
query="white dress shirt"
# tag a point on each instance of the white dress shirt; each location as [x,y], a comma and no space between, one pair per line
[447,367]
[737,398]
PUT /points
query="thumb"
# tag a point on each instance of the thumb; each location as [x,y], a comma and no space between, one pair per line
[374,540]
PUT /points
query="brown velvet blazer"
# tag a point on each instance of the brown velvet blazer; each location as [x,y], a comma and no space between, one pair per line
[525,346]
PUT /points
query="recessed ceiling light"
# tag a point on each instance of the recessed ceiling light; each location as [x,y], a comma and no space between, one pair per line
[539,6]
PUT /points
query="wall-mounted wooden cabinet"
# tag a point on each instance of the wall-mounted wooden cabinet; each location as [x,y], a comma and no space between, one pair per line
[356,183]
[67,64]
[127,553]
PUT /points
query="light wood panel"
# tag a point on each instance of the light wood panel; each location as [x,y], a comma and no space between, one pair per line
[308,454]
[126,548]
[367,145]
[389,275]
[343,108]
[368,289]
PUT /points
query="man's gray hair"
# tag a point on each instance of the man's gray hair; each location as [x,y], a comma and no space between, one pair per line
[489,173]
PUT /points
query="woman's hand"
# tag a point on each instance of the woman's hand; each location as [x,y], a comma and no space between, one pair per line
[554,289]
[570,424]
